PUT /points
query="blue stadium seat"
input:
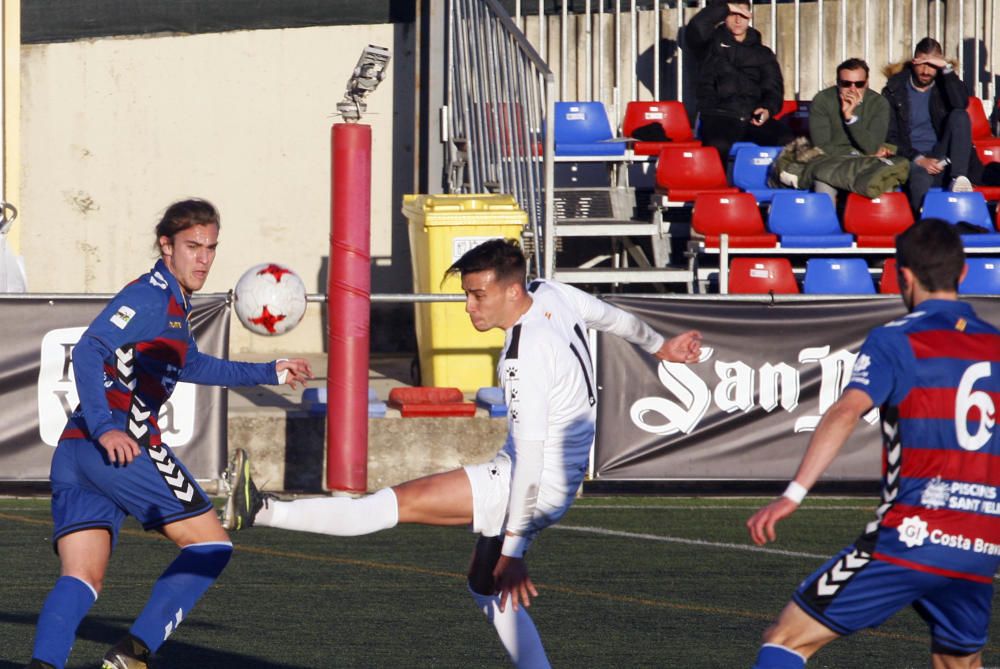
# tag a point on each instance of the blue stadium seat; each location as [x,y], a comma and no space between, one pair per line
[750,168]
[983,277]
[740,145]
[837,276]
[806,220]
[963,207]
[582,129]
[492,399]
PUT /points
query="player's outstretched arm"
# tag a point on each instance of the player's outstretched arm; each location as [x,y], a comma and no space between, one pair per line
[685,347]
[831,434]
[293,371]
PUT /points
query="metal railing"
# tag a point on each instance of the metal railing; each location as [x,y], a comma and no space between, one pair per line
[499,115]
[636,47]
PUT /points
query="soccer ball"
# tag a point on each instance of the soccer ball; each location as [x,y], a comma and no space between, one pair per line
[270,299]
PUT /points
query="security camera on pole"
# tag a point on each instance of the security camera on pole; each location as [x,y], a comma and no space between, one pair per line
[349,287]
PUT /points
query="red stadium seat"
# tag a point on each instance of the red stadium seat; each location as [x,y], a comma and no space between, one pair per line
[980,123]
[877,221]
[988,153]
[762,275]
[889,282]
[796,114]
[735,214]
[683,172]
[671,116]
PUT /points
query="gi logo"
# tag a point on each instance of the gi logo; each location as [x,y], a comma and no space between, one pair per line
[913,531]
[57,396]
[935,494]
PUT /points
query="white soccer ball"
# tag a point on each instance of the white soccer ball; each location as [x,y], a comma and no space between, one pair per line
[270,299]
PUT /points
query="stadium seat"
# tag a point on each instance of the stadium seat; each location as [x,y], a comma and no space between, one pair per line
[876,221]
[988,153]
[315,399]
[982,135]
[796,114]
[670,116]
[582,129]
[734,214]
[889,281]
[837,276]
[683,172]
[750,169]
[983,277]
[806,220]
[762,275]
[963,208]
[492,399]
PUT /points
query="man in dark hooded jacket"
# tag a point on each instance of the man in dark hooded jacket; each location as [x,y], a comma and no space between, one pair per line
[739,87]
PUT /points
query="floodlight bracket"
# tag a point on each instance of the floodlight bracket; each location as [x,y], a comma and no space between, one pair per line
[367,75]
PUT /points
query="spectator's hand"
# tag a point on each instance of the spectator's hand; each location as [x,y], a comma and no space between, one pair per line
[929,164]
[298,371]
[685,347]
[121,448]
[511,581]
[760,116]
[884,152]
[739,9]
[761,524]
[933,61]
[850,98]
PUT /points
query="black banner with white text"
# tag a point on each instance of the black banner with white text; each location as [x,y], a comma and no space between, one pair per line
[745,412]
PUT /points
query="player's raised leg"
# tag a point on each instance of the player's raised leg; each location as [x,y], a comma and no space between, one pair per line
[514,626]
[439,499]
[205,552]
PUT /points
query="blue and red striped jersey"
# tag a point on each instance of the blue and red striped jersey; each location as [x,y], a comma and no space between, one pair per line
[128,361]
[935,374]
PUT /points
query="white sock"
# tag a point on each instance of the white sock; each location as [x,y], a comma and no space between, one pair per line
[516,631]
[339,516]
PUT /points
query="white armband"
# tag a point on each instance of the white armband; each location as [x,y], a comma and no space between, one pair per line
[283,374]
[795,492]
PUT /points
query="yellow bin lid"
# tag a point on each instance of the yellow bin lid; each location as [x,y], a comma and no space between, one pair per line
[448,209]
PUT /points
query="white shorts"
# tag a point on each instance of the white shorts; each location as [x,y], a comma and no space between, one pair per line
[490,483]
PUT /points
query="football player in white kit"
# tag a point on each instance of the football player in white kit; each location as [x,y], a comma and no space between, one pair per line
[548,381]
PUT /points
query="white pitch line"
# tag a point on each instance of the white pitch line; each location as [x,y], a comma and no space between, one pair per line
[688,542]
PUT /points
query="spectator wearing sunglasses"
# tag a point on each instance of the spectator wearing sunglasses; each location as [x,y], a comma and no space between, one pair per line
[928,122]
[849,119]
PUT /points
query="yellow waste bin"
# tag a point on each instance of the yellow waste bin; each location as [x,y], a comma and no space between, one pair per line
[442,229]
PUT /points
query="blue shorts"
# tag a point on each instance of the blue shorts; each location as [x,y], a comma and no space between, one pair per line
[853,591]
[89,492]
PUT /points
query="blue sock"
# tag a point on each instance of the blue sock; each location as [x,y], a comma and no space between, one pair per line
[773,656]
[64,608]
[178,589]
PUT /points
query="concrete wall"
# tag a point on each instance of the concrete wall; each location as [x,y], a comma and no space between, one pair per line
[113,130]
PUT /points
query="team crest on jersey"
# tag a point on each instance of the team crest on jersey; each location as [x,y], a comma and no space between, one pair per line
[936,494]
[122,317]
[913,531]
[961,324]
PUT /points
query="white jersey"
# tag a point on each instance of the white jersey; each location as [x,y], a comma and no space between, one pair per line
[548,380]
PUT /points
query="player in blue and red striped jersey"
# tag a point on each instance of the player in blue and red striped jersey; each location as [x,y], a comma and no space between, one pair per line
[110,461]
[935,541]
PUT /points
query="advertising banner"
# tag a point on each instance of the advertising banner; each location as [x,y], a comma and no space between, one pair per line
[38,390]
[745,411]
